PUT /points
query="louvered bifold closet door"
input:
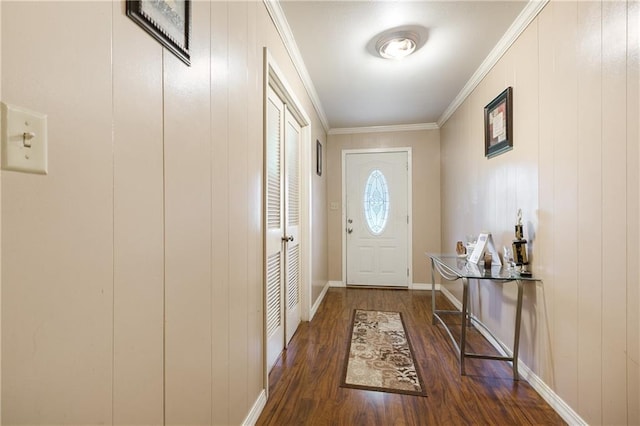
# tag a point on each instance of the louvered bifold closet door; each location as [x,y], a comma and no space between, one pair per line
[274,224]
[292,221]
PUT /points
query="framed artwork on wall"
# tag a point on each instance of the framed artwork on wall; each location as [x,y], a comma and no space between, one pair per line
[318,158]
[498,119]
[167,21]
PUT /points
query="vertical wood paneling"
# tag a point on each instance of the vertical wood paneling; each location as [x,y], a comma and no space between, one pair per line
[148,228]
[138,224]
[220,212]
[564,137]
[58,237]
[187,136]
[585,319]
[255,367]
[633,211]
[589,217]
[614,211]
[238,211]
[522,182]
[545,265]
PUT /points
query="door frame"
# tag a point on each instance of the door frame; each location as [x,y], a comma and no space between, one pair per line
[274,77]
[346,152]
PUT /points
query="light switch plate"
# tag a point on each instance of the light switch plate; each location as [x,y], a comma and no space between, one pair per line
[24,140]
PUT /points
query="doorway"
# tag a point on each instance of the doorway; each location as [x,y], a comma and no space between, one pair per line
[377,228]
[286,215]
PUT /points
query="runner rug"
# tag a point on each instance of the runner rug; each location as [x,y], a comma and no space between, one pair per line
[380,356]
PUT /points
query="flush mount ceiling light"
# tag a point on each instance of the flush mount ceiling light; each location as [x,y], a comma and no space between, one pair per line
[397,45]
[399,42]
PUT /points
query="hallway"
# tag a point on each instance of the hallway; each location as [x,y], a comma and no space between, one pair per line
[304,383]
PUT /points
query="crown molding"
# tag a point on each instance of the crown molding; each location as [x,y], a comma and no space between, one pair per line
[379,129]
[528,14]
[283,28]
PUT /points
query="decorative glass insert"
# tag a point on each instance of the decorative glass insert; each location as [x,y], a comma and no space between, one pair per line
[376,202]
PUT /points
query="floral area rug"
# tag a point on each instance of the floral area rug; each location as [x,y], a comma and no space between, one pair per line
[380,357]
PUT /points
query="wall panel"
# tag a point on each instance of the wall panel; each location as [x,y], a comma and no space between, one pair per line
[220,212]
[238,209]
[188,273]
[255,313]
[564,138]
[633,211]
[614,100]
[138,224]
[589,220]
[57,294]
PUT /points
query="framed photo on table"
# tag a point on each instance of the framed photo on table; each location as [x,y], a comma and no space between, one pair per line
[168,21]
[498,119]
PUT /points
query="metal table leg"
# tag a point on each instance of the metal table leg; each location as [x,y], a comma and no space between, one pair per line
[516,338]
[433,294]
[465,313]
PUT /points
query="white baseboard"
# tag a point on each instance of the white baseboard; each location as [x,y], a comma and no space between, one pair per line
[256,410]
[336,284]
[318,301]
[557,403]
[423,286]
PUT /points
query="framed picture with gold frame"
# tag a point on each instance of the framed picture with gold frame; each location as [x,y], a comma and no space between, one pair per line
[498,123]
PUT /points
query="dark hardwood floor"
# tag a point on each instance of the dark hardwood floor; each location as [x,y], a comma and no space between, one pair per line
[304,385]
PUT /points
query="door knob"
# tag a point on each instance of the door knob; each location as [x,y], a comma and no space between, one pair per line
[349,230]
[287,238]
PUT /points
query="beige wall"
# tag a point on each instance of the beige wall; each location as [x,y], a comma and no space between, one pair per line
[132,285]
[426,192]
[574,172]
[320,273]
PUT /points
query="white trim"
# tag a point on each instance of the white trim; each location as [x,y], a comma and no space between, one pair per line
[557,403]
[319,300]
[256,410]
[528,14]
[282,26]
[380,129]
[423,286]
[408,150]
[337,284]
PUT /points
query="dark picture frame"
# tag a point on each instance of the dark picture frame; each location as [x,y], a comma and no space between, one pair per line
[318,158]
[498,123]
[167,22]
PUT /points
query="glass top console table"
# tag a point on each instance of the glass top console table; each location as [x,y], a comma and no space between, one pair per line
[453,268]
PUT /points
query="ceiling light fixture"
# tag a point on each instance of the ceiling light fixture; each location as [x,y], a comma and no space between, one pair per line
[397,45]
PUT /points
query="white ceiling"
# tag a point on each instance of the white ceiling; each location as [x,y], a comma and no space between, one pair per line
[357,89]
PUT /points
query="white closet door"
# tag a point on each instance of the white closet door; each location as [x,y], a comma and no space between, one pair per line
[282,246]
[274,225]
[292,224]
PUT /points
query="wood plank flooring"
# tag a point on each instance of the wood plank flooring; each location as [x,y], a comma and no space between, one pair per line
[304,385]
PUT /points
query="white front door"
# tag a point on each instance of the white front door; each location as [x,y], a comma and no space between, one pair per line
[377,218]
[282,224]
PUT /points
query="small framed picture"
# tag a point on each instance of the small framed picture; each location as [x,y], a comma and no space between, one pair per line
[498,119]
[318,158]
[168,21]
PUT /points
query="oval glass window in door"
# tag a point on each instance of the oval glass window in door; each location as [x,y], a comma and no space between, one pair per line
[376,202]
